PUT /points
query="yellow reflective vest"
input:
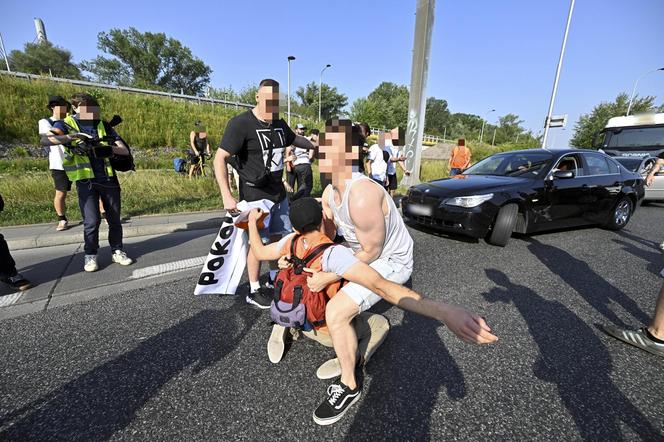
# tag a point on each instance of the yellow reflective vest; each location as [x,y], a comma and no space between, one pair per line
[78,167]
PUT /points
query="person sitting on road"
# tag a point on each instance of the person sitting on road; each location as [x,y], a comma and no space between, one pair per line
[200,146]
[366,216]
[341,261]
[306,216]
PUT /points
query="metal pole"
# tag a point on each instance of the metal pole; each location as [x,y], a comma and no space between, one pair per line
[290,58]
[444,133]
[631,99]
[555,83]
[517,137]
[320,89]
[493,140]
[418,81]
[4,53]
[483,122]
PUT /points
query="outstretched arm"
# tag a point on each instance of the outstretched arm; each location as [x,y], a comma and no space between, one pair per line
[467,326]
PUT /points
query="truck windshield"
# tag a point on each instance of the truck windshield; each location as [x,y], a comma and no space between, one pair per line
[635,137]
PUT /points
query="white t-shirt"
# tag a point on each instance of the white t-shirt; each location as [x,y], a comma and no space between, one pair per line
[378,164]
[301,156]
[393,151]
[336,259]
[56,152]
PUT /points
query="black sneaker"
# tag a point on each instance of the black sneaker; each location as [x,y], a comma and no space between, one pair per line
[338,401]
[17,282]
[260,298]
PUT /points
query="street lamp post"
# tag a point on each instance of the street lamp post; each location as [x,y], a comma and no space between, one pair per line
[290,58]
[320,89]
[493,140]
[555,82]
[631,99]
[483,123]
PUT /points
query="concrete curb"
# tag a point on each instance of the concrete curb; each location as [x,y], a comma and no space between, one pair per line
[63,238]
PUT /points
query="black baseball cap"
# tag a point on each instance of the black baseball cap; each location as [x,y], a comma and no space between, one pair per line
[305,212]
[57,100]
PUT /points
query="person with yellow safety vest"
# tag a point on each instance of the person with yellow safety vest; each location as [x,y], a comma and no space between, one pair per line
[94,176]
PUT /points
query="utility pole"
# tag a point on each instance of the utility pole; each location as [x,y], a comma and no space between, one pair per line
[418,80]
[555,83]
[493,140]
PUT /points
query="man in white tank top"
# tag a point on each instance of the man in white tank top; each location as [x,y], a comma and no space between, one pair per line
[363,212]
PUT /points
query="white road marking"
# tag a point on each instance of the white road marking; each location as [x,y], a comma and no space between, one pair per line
[168,267]
[9,299]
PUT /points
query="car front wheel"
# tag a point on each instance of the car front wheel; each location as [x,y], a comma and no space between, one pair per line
[504,225]
[620,214]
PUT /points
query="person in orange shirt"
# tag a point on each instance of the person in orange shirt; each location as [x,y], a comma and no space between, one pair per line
[460,158]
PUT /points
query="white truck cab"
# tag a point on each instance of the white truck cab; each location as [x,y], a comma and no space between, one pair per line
[635,135]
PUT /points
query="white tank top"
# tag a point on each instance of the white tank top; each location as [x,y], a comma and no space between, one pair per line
[398,246]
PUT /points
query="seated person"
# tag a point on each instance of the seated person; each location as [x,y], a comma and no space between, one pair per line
[341,261]
[306,216]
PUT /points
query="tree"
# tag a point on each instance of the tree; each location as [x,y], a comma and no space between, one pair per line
[437,116]
[44,58]
[590,124]
[332,101]
[386,106]
[509,126]
[148,60]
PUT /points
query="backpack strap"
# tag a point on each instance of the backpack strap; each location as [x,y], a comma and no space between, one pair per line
[316,252]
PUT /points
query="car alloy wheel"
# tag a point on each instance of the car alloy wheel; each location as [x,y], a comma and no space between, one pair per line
[622,213]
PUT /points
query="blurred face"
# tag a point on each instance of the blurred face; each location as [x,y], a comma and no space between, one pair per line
[267,102]
[314,138]
[299,131]
[87,112]
[60,112]
[337,157]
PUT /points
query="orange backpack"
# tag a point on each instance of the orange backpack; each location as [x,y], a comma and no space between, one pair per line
[294,304]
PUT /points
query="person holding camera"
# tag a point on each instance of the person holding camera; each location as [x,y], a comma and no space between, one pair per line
[254,144]
[8,273]
[90,150]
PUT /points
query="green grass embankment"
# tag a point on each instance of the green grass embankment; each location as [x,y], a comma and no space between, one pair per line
[150,122]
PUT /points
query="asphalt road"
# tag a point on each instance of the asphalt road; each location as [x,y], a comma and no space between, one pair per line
[158,363]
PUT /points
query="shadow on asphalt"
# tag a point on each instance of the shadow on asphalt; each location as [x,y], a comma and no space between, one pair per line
[69,265]
[575,359]
[407,376]
[597,292]
[106,399]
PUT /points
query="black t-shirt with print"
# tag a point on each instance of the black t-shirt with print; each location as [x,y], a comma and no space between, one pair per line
[661,155]
[249,139]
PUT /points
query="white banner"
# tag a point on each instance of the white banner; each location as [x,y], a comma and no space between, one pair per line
[227,259]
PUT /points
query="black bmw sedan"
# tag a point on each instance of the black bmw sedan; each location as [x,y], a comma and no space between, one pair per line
[528,191]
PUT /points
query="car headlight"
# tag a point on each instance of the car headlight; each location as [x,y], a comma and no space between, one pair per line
[469,201]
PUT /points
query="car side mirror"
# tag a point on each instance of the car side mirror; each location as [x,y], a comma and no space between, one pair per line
[563,174]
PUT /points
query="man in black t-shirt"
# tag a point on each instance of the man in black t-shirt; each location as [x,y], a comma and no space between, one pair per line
[254,144]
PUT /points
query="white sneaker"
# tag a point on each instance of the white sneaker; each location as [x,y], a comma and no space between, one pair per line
[661,246]
[329,369]
[121,258]
[90,263]
[276,344]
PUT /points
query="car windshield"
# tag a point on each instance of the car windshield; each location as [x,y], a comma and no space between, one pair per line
[631,164]
[526,164]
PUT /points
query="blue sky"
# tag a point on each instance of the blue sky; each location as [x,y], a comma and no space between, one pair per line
[485,54]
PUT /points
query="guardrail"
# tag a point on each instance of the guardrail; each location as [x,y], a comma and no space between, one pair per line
[430,139]
[132,89]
